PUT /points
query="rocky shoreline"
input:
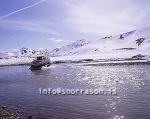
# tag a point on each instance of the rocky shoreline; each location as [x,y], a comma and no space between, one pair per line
[6,113]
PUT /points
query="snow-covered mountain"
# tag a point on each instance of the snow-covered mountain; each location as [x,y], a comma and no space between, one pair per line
[7,55]
[127,45]
[26,52]
[69,49]
[23,52]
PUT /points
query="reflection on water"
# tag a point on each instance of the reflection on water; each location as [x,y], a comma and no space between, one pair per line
[123,78]
[19,89]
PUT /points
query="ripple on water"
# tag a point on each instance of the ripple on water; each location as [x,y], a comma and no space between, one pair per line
[131,83]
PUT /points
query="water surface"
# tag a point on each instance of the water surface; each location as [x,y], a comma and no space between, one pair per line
[19,89]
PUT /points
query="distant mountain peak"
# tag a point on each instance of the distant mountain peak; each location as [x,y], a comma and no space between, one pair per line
[68,49]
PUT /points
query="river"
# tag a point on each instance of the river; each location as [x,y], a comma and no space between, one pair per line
[19,90]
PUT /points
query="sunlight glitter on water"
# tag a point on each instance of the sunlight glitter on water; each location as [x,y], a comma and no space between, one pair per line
[113,77]
[131,83]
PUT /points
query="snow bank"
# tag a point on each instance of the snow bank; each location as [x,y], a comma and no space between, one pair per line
[103,55]
[15,61]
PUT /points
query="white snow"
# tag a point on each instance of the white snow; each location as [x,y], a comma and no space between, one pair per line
[15,61]
[104,55]
[68,49]
[121,46]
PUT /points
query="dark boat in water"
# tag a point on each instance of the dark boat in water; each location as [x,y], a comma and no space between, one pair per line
[39,62]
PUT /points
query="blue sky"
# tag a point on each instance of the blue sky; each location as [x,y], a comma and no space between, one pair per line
[54,23]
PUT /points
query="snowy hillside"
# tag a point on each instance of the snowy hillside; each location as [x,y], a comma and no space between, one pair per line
[7,55]
[26,52]
[134,44]
[127,44]
[69,49]
[23,52]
